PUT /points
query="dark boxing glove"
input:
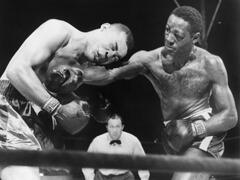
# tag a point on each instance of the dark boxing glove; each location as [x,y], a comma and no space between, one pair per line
[69,111]
[100,108]
[181,133]
[63,78]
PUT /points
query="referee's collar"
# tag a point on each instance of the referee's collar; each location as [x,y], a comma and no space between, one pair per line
[109,139]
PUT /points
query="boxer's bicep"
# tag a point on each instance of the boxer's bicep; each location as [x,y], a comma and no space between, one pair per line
[45,41]
[221,92]
[226,114]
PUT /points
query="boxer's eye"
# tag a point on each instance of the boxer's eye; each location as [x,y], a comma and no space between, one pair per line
[178,35]
[114,47]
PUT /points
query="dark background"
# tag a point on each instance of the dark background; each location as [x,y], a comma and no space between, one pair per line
[135,100]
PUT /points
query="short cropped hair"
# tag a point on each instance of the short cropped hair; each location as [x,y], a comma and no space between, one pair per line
[128,32]
[115,116]
[192,16]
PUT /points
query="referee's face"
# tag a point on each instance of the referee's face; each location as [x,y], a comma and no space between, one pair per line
[115,128]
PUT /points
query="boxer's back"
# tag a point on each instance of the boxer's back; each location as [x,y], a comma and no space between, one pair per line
[41,46]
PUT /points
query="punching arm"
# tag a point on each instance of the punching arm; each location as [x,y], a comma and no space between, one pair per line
[101,76]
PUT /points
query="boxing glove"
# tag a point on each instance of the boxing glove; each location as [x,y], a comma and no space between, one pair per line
[100,108]
[63,78]
[69,111]
[181,133]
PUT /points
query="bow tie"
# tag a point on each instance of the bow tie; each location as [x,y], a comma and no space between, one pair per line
[112,142]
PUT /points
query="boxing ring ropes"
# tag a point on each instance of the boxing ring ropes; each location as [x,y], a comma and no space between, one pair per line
[152,162]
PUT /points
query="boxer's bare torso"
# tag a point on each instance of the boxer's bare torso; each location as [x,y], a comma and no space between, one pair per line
[53,43]
[68,54]
[184,91]
[57,43]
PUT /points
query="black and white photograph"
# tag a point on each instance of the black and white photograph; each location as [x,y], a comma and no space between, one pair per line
[120,90]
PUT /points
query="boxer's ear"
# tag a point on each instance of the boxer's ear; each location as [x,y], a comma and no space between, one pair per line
[105,26]
[196,37]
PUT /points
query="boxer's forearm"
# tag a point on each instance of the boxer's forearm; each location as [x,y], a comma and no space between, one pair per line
[97,76]
[221,122]
[102,76]
[24,79]
[225,117]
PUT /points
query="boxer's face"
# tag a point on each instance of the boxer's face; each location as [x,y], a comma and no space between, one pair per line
[178,38]
[110,46]
[114,128]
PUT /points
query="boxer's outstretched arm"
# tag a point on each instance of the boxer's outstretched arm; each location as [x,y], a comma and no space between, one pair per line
[101,76]
[226,116]
[35,52]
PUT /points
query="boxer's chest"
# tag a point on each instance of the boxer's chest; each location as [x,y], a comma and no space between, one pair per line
[190,80]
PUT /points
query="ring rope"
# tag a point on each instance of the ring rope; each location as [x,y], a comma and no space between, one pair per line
[162,163]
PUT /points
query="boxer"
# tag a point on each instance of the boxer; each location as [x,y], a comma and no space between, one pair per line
[185,77]
[27,81]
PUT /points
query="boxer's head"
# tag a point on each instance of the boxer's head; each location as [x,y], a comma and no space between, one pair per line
[115,127]
[109,44]
[183,30]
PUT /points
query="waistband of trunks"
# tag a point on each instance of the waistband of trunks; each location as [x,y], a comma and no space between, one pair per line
[207,111]
[204,112]
[9,91]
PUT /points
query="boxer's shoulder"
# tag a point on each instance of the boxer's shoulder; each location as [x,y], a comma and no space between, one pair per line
[145,57]
[213,64]
[56,23]
[206,56]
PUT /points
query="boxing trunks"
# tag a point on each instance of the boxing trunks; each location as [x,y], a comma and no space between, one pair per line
[20,126]
[213,145]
